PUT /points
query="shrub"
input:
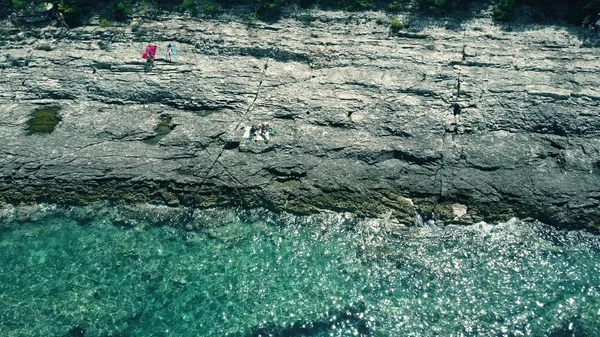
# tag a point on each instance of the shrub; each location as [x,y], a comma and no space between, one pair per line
[438,6]
[396,24]
[395,6]
[252,19]
[72,11]
[190,6]
[211,8]
[122,11]
[573,11]
[18,4]
[269,9]
[431,5]
[306,3]
[503,10]
[104,23]
[359,5]
[151,8]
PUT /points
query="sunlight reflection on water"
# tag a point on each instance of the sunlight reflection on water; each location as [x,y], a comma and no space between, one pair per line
[253,278]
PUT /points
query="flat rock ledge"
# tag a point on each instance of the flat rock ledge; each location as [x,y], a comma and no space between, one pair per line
[363,117]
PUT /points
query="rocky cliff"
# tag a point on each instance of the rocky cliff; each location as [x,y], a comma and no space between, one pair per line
[364,118]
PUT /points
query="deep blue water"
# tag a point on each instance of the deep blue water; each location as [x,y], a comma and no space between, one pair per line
[260,276]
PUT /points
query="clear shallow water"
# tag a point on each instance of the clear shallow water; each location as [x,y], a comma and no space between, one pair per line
[253,278]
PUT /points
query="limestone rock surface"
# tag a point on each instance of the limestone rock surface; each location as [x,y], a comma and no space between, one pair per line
[363,118]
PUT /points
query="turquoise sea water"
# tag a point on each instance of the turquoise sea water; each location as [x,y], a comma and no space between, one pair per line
[261,277]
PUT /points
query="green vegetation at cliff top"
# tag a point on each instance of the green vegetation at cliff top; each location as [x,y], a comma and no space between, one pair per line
[77,11]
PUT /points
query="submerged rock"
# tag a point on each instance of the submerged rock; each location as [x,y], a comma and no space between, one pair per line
[350,318]
[76,332]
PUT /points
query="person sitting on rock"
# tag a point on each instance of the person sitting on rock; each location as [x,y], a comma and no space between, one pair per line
[264,131]
[260,131]
[254,130]
[264,128]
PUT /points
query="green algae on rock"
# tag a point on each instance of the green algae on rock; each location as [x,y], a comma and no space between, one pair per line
[44,120]
[162,129]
